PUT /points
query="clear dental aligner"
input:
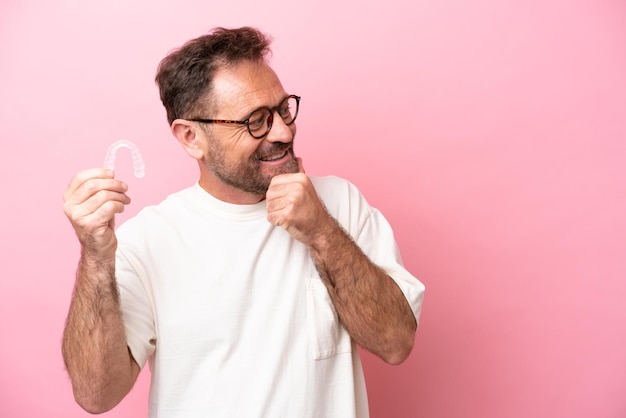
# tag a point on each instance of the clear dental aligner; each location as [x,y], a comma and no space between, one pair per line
[138,164]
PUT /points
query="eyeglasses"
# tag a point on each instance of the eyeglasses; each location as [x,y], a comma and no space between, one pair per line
[260,121]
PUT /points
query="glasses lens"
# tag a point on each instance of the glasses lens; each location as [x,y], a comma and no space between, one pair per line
[288,110]
[258,123]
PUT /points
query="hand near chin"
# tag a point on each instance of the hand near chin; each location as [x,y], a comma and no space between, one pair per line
[293,204]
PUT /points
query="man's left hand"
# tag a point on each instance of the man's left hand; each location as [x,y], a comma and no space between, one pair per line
[293,204]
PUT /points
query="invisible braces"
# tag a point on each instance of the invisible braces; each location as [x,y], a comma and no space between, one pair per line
[138,164]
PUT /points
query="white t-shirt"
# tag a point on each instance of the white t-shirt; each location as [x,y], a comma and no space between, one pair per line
[232,314]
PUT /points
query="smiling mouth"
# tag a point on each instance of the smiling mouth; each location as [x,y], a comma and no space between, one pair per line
[274,157]
[278,152]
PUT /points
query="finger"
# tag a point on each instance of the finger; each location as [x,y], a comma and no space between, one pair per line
[279,202]
[292,185]
[88,174]
[96,226]
[91,186]
[104,202]
[101,215]
[80,179]
[102,198]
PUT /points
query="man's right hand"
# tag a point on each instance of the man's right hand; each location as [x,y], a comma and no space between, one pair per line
[91,201]
[95,351]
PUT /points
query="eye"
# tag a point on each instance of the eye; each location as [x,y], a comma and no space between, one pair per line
[257,120]
[285,111]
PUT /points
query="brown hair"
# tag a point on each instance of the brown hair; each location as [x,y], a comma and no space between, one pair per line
[184,76]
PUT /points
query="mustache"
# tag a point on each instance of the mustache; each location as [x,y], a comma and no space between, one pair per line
[275,147]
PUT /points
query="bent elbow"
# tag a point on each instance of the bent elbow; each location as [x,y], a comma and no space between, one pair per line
[94,402]
[399,354]
[91,405]
[397,358]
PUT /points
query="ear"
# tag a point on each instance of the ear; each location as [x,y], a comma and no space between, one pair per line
[190,136]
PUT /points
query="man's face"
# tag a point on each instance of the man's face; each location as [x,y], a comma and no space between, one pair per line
[233,157]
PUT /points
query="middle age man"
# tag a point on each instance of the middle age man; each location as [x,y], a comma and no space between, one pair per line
[248,291]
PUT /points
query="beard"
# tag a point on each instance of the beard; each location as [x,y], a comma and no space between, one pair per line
[248,175]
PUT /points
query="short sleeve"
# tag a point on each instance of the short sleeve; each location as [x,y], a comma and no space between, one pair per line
[137,312]
[372,233]
[377,241]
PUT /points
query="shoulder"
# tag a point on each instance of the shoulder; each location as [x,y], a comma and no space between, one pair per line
[343,200]
[334,187]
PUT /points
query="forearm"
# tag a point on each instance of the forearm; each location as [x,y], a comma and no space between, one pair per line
[369,303]
[94,343]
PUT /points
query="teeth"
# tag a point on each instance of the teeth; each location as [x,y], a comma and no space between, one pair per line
[274,157]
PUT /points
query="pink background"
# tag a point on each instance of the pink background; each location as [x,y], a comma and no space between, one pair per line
[491,133]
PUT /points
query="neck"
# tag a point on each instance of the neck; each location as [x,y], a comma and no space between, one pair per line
[229,194]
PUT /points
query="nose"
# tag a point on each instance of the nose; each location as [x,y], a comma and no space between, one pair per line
[280,131]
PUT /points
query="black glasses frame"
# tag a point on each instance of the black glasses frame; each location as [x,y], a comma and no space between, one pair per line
[270,120]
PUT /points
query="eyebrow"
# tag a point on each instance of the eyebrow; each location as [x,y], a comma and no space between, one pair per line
[247,115]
